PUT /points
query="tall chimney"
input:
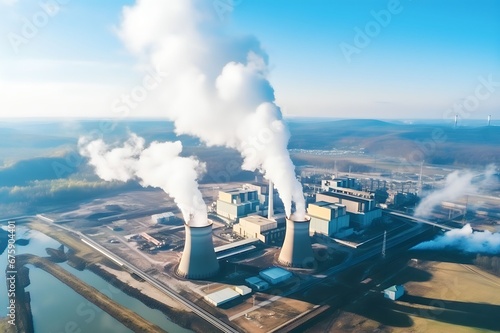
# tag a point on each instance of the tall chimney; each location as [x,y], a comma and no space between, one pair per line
[198,259]
[270,201]
[297,250]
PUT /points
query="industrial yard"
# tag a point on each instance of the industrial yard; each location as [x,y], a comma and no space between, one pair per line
[152,240]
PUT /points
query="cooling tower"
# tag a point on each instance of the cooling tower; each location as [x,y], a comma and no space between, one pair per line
[198,260]
[297,249]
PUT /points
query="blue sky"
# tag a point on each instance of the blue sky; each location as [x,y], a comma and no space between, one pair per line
[424,59]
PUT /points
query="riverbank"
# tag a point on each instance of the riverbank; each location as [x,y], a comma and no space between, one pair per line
[153,298]
[94,261]
[125,316]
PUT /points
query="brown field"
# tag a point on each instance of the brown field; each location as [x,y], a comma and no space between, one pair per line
[6,327]
[272,315]
[455,298]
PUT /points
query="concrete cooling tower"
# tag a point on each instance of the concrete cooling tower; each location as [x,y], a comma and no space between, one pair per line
[297,250]
[198,260]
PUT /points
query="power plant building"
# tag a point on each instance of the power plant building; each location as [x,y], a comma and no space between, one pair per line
[162,217]
[343,182]
[265,199]
[255,226]
[237,203]
[360,206]
[328,218]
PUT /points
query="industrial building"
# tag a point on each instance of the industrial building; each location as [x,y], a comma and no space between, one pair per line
[329,219]
[394,292]
[222,296]
[162,217]
[263,189]
[343,182]
[255,226]
[297,249]
[237,203]
[198,259]
[257,283]
[235,248]
[360,206]
[275,275]
[227,294]
[151,239]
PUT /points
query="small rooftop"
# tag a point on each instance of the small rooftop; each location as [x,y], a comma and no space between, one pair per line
[257,219]
[328,204]
[222,296]
[275,272]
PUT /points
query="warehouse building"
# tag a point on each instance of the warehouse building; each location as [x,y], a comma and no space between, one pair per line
[394,292]
[329,219]
[222,296]
[275,275]
[256,283]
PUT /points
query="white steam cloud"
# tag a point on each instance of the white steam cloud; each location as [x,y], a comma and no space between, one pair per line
[218,89]
[457,184]
[466,240]
[158,165]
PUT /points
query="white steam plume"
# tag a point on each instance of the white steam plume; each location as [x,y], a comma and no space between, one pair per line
[218,89]
[466,240]
[158,165]
[457,184]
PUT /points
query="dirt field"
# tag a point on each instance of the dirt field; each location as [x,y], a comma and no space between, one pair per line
[440,297]
[273,315]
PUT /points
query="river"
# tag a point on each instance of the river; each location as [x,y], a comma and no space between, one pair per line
[56,308]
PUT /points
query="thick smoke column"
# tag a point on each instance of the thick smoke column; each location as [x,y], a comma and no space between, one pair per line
[158,165]
[457,184]
[218,89]
[466,240]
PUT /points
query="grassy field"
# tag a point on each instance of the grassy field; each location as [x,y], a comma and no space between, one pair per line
[452,297]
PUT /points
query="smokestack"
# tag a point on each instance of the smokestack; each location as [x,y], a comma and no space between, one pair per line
[456,120]
[297,249]
[489,120]
[198,259]
[270,206]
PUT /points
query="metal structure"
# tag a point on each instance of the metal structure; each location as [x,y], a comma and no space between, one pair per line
[270,200]
[384,244]
[198,259]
